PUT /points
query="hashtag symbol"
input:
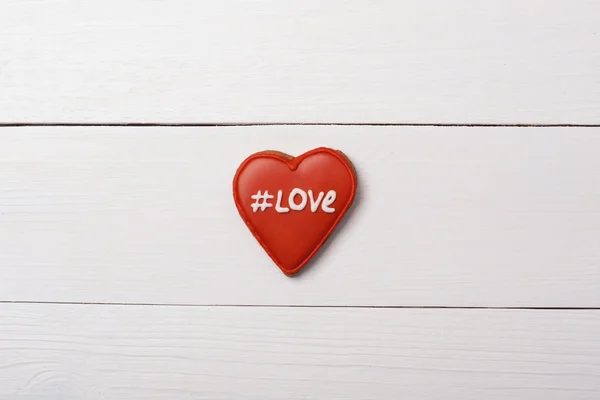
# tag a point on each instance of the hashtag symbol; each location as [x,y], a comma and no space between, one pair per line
[264,204]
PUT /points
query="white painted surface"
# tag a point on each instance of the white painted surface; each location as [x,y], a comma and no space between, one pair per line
[444,216]
[434,61]
[502,217]
[125,353]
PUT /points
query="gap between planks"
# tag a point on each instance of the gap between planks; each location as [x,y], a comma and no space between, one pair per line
[192,124]
[298,306]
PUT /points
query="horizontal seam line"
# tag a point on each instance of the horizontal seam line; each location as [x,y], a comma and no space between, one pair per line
[155,124]
[432,307]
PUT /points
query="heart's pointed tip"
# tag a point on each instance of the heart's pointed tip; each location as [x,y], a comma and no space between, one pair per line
[290,272]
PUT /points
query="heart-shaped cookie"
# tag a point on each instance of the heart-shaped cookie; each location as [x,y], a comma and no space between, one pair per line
[292,204]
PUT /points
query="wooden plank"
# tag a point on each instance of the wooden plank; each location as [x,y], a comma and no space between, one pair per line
[444,216]
[237,61]
[99,352]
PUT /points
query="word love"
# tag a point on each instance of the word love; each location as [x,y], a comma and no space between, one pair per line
[297,201]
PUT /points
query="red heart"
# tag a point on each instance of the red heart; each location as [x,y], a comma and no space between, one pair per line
[291,229]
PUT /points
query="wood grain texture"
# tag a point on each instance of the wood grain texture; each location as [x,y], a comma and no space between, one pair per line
[101,352]
[359,61]
[455,216]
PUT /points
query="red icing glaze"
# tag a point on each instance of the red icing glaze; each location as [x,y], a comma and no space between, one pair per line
[291,238]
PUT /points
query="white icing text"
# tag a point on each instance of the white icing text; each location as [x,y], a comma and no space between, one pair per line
[297,200]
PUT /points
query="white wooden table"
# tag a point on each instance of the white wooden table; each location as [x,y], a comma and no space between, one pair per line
[469,267]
